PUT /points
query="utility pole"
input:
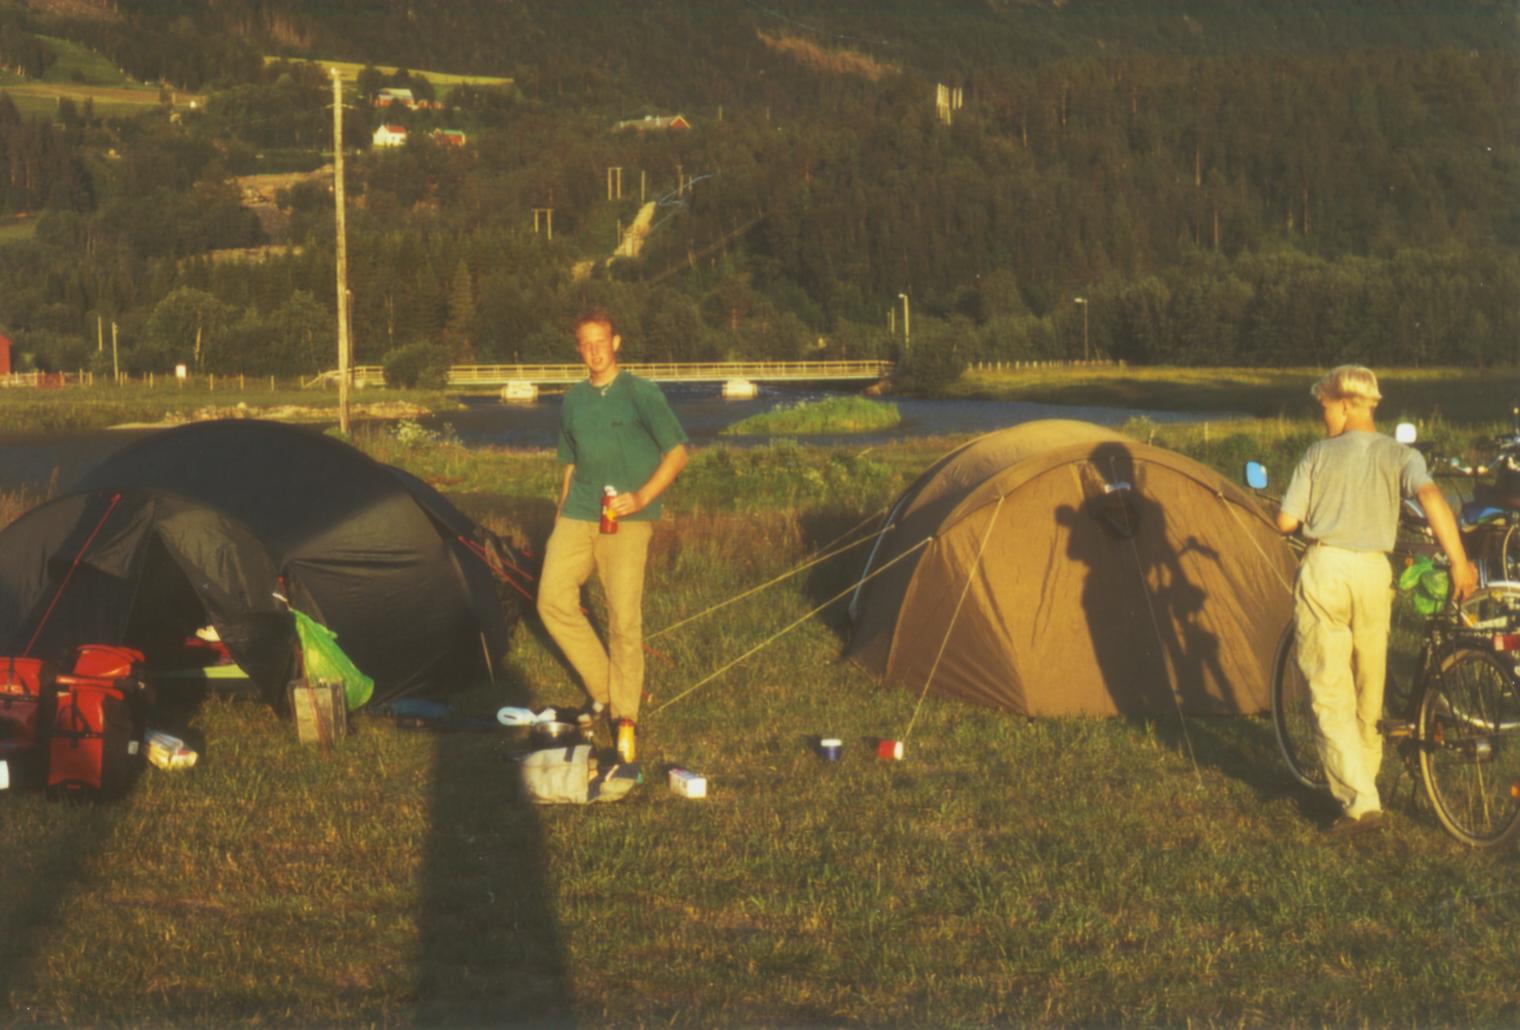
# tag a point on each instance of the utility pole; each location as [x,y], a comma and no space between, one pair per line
[1083,301]
[342,254]
[907,330]
[115,363]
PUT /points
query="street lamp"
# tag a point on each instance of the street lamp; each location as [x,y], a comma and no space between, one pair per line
[906,333]
[1083,301]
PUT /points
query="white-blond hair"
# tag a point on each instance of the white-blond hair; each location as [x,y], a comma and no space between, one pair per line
[1354,383]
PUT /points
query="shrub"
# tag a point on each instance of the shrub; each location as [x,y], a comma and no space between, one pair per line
[417,365]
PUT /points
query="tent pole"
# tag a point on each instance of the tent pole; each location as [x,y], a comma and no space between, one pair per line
[115,499]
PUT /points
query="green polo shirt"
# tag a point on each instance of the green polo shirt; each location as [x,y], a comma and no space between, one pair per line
[614,436]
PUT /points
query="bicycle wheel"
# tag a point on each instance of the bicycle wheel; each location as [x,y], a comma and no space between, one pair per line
[1469,734]
[1293,716]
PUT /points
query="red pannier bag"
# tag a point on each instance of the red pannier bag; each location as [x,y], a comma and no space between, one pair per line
[98,722]
[26,695]
[24,685]
[109,661]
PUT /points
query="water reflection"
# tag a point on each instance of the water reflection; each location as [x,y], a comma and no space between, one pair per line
[705,413]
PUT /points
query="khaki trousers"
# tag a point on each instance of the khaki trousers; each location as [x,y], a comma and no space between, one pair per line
[1342,605]
[614,674]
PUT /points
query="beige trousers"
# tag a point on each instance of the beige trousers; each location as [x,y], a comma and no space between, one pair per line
[1342,605]
[614,674]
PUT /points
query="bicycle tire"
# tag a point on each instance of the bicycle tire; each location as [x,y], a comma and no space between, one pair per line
[1469,736]
[1293,716]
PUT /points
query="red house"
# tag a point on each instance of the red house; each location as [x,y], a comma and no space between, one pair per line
[5,355]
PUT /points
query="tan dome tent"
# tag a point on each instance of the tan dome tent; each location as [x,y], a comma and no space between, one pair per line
[1059,568]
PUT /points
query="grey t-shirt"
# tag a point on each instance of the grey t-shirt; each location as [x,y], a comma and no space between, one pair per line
[1347,489]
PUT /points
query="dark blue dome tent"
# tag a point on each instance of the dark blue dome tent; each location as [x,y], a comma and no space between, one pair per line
[207,522]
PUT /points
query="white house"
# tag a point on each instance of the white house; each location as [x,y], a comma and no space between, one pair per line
[390,136]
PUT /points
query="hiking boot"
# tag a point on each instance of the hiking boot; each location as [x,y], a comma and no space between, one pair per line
[1345,825]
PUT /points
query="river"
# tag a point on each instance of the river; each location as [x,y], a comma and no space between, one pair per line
[32,461]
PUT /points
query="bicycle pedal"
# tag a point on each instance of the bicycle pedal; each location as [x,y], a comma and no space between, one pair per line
[1396,729]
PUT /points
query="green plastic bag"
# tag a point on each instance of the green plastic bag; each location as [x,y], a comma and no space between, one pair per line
[1426,585]
[326,662]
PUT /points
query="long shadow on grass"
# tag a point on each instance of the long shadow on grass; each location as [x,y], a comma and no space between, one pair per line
[491,945]
[70,838]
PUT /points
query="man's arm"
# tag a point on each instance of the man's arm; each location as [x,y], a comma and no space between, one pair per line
[1464,575]
[670,466]
[564,490]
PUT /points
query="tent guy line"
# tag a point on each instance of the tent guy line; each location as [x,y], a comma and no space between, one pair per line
[768,583]
[959,602]
[790,626]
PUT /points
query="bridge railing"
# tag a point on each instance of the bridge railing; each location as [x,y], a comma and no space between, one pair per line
[672,372]
[547,374]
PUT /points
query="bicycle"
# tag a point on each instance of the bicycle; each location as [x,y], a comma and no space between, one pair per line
[1461,720]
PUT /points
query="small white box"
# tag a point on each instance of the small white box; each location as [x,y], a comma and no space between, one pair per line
[688,784]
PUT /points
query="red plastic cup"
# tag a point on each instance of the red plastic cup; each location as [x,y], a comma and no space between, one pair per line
[891,750]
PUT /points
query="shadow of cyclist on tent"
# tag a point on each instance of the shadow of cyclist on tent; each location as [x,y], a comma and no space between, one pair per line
[1146,604]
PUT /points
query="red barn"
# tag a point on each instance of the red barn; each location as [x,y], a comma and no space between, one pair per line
[5,355]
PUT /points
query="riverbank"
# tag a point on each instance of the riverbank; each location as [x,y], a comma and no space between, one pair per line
[27,410]
[1462,395]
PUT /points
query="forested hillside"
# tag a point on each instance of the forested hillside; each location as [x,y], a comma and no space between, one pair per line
[1204,182]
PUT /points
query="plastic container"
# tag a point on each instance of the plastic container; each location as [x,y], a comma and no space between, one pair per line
[688,784]
[889,750]
[829,749]
[169,752]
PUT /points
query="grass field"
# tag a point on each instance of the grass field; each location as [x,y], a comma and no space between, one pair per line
[443,82]
[80,74]
[830,415]
[17,230]
[1008,871]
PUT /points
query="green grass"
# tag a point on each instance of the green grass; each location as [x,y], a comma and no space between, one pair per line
[80,64]
[78,74]
[1009,871]
[813,418]
[17,230]
[443,82]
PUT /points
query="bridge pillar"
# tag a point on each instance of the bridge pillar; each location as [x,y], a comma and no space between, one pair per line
[739,389]
[519,391]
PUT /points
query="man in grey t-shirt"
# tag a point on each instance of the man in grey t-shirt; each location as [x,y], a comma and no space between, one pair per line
[1345,495]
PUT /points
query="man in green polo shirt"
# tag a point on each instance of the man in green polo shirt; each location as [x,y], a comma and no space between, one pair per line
[615,430]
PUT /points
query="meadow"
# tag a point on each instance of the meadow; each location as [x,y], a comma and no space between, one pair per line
[1073,871]
[81,74]
[442,82]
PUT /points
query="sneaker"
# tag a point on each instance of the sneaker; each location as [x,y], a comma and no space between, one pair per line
[1344,825]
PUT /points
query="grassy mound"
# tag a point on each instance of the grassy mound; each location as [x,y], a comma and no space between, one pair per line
[811,418]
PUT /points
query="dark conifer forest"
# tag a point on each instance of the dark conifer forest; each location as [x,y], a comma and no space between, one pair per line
[1200,183]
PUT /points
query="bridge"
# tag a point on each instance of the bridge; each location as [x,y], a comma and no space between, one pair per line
[530,375]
